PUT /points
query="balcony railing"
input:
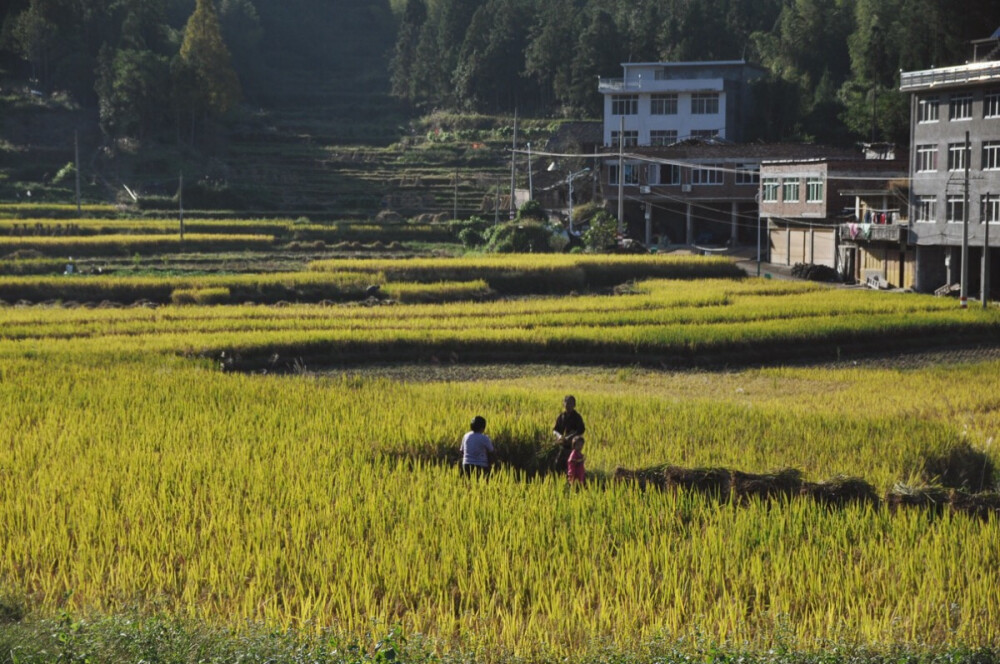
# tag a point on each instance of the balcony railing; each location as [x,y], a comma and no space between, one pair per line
[614,85]
[874,232]
[979,72]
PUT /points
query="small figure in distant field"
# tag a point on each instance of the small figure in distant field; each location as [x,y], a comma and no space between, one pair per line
[574,465]
[568,425]
[477,449]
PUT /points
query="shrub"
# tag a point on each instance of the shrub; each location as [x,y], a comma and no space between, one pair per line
[531,210]
[519,237]
[602,234]
[583,214]
[470,238]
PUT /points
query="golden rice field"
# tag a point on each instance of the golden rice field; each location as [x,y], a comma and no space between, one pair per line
[133,474]
[34,227]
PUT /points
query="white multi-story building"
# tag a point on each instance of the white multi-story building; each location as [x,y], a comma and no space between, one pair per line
[661,103]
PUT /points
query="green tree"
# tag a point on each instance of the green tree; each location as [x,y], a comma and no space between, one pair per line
[442,36]
[597,54]
[243,35]
[546,58]
[33,35]
[488,76]
[131,97]
[405,51]
[205,59]
[602,234]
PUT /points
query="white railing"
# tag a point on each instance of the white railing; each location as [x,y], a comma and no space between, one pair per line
[613,85]
[972,73]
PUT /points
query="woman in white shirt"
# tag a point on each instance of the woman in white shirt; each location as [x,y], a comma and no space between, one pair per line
[477,449]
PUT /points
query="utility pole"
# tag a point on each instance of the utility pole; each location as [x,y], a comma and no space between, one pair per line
[571,203]
[180,202]
[76,159]
[963,300]
[984,277]
[531,186]
[621,175]
[758,244]
[513,167]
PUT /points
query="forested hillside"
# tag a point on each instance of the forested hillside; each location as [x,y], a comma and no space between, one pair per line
[237,81]
[543,56]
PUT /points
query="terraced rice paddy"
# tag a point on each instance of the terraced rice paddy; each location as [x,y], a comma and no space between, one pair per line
[137,476]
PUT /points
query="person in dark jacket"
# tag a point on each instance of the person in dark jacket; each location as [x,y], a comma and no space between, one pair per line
[568,426]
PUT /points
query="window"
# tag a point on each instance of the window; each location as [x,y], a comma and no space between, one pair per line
[624,104]
[991,104]
[769,190]
[662,136]
[960,107]
[956,209]
[926,209]
[670,174]
[989,208]
[958,156]
[704,133]
[926,158]
[991,155]
[708,175]
[705,103]
[631,138]
[747,174]
[631,174]
[665,104]
[814,190]
[790,191]
[927,109]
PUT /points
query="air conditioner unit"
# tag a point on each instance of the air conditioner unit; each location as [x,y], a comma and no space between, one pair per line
[644,189]
[686,188]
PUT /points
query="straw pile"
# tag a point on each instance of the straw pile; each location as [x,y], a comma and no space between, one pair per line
[642,478]
[980,505]
[713,482]
[931,498]
[841,491]
[768,486]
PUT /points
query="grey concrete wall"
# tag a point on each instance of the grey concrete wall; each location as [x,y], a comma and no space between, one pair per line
[943,183]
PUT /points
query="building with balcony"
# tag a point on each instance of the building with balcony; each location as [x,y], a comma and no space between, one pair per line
[839,210]
[954,169]
[696,192]
[660,103]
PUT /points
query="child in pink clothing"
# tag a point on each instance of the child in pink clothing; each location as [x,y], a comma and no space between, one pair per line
[574,467]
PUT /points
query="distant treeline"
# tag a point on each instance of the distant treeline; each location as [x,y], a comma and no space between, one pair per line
[152,65]
[828,58]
